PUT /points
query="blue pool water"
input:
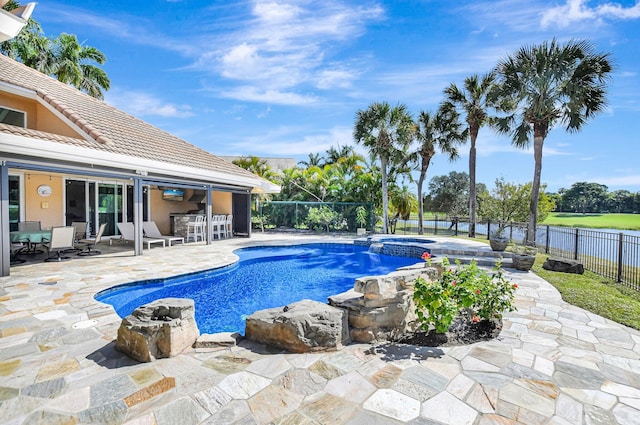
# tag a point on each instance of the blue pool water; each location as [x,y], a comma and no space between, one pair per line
[264,277]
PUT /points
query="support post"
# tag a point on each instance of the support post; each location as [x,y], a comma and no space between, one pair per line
[137,217]
[209,211]
[575,252]
[5,242]
[546,244]
[620,256]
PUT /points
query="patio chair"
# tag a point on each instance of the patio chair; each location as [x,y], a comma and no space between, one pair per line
[15,249]
[151,230]
[61,240]
[127,232]
[29,226]
[90,243]
[81,233]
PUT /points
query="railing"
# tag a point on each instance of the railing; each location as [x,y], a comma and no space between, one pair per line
[615,255]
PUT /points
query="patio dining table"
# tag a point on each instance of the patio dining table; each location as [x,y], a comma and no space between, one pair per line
[31,238]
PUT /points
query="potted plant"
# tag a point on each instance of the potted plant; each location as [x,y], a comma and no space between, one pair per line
[498,240]
[523,257]
[361,220]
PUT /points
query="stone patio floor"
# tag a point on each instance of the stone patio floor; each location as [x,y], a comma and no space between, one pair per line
[552,364]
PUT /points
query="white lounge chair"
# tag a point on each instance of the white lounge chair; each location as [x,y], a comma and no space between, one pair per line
[127,232]
[151,230]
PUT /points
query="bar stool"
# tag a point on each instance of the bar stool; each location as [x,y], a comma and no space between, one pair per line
[195,229]
[229,225]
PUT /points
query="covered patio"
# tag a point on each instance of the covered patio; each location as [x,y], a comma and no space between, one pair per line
[65,156]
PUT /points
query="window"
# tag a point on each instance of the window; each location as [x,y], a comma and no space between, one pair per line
[14,202]
[12,117]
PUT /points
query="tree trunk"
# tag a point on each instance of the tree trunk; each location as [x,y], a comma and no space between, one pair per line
[538,141]
[385,196]
[473,134]
[423,174]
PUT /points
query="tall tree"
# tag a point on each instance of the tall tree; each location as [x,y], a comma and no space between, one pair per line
[474,100]
[314,159]
[74,65]
[386,132]
[62,57]
[550,84]
[442,132]
[450,193]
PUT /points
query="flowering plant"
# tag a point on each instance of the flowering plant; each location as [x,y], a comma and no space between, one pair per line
[484,295]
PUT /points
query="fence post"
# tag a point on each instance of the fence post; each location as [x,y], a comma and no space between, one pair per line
[620,236]
[575,254]
[456,227]
[296,216]
[510,231]
[488,229]
[435,229]
[546,245]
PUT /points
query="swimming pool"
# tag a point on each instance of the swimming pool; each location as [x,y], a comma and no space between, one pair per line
[264,277]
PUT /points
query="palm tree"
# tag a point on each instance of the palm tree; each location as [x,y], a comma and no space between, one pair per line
[62,57]
[474,100]
[72,65]
[442,132]
[257,166]
[386,131]
[314,159]
[335,154]
[550,84]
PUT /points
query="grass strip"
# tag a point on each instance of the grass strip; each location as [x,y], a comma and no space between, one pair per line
[594,293]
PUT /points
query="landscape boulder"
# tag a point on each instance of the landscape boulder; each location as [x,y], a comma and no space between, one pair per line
[162,328]
[302,327]
[563,265]
[381,308]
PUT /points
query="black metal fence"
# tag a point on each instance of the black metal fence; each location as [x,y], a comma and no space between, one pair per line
[615,255]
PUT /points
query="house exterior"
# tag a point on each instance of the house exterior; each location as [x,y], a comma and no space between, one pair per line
[65,156]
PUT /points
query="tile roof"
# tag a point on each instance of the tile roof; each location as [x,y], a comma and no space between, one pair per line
[108,129]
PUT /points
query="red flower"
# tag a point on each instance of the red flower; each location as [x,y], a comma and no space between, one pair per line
[475,319]
[515,286]
[426,256]
[478,291]
[453,283]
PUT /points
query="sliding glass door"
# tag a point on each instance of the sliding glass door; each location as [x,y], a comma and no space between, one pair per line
[95,203]
[101,202]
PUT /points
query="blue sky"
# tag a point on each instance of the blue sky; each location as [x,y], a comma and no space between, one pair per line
[285,78]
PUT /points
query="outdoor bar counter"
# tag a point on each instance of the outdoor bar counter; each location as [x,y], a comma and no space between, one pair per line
[179,223]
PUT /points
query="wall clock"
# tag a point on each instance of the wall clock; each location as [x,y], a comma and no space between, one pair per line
[44,190]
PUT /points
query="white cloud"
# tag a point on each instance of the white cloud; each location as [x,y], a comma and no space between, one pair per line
[287,45]
[144,104]
[256,94]
[292,141]
[577,10]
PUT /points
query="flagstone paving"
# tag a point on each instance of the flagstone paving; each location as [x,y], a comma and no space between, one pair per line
[553,363]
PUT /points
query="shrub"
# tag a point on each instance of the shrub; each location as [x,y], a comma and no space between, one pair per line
[468,288]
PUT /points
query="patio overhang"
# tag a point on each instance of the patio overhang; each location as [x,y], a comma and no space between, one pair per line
[28,151]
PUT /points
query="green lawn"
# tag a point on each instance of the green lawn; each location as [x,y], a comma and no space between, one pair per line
[607,221]
[595,293]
